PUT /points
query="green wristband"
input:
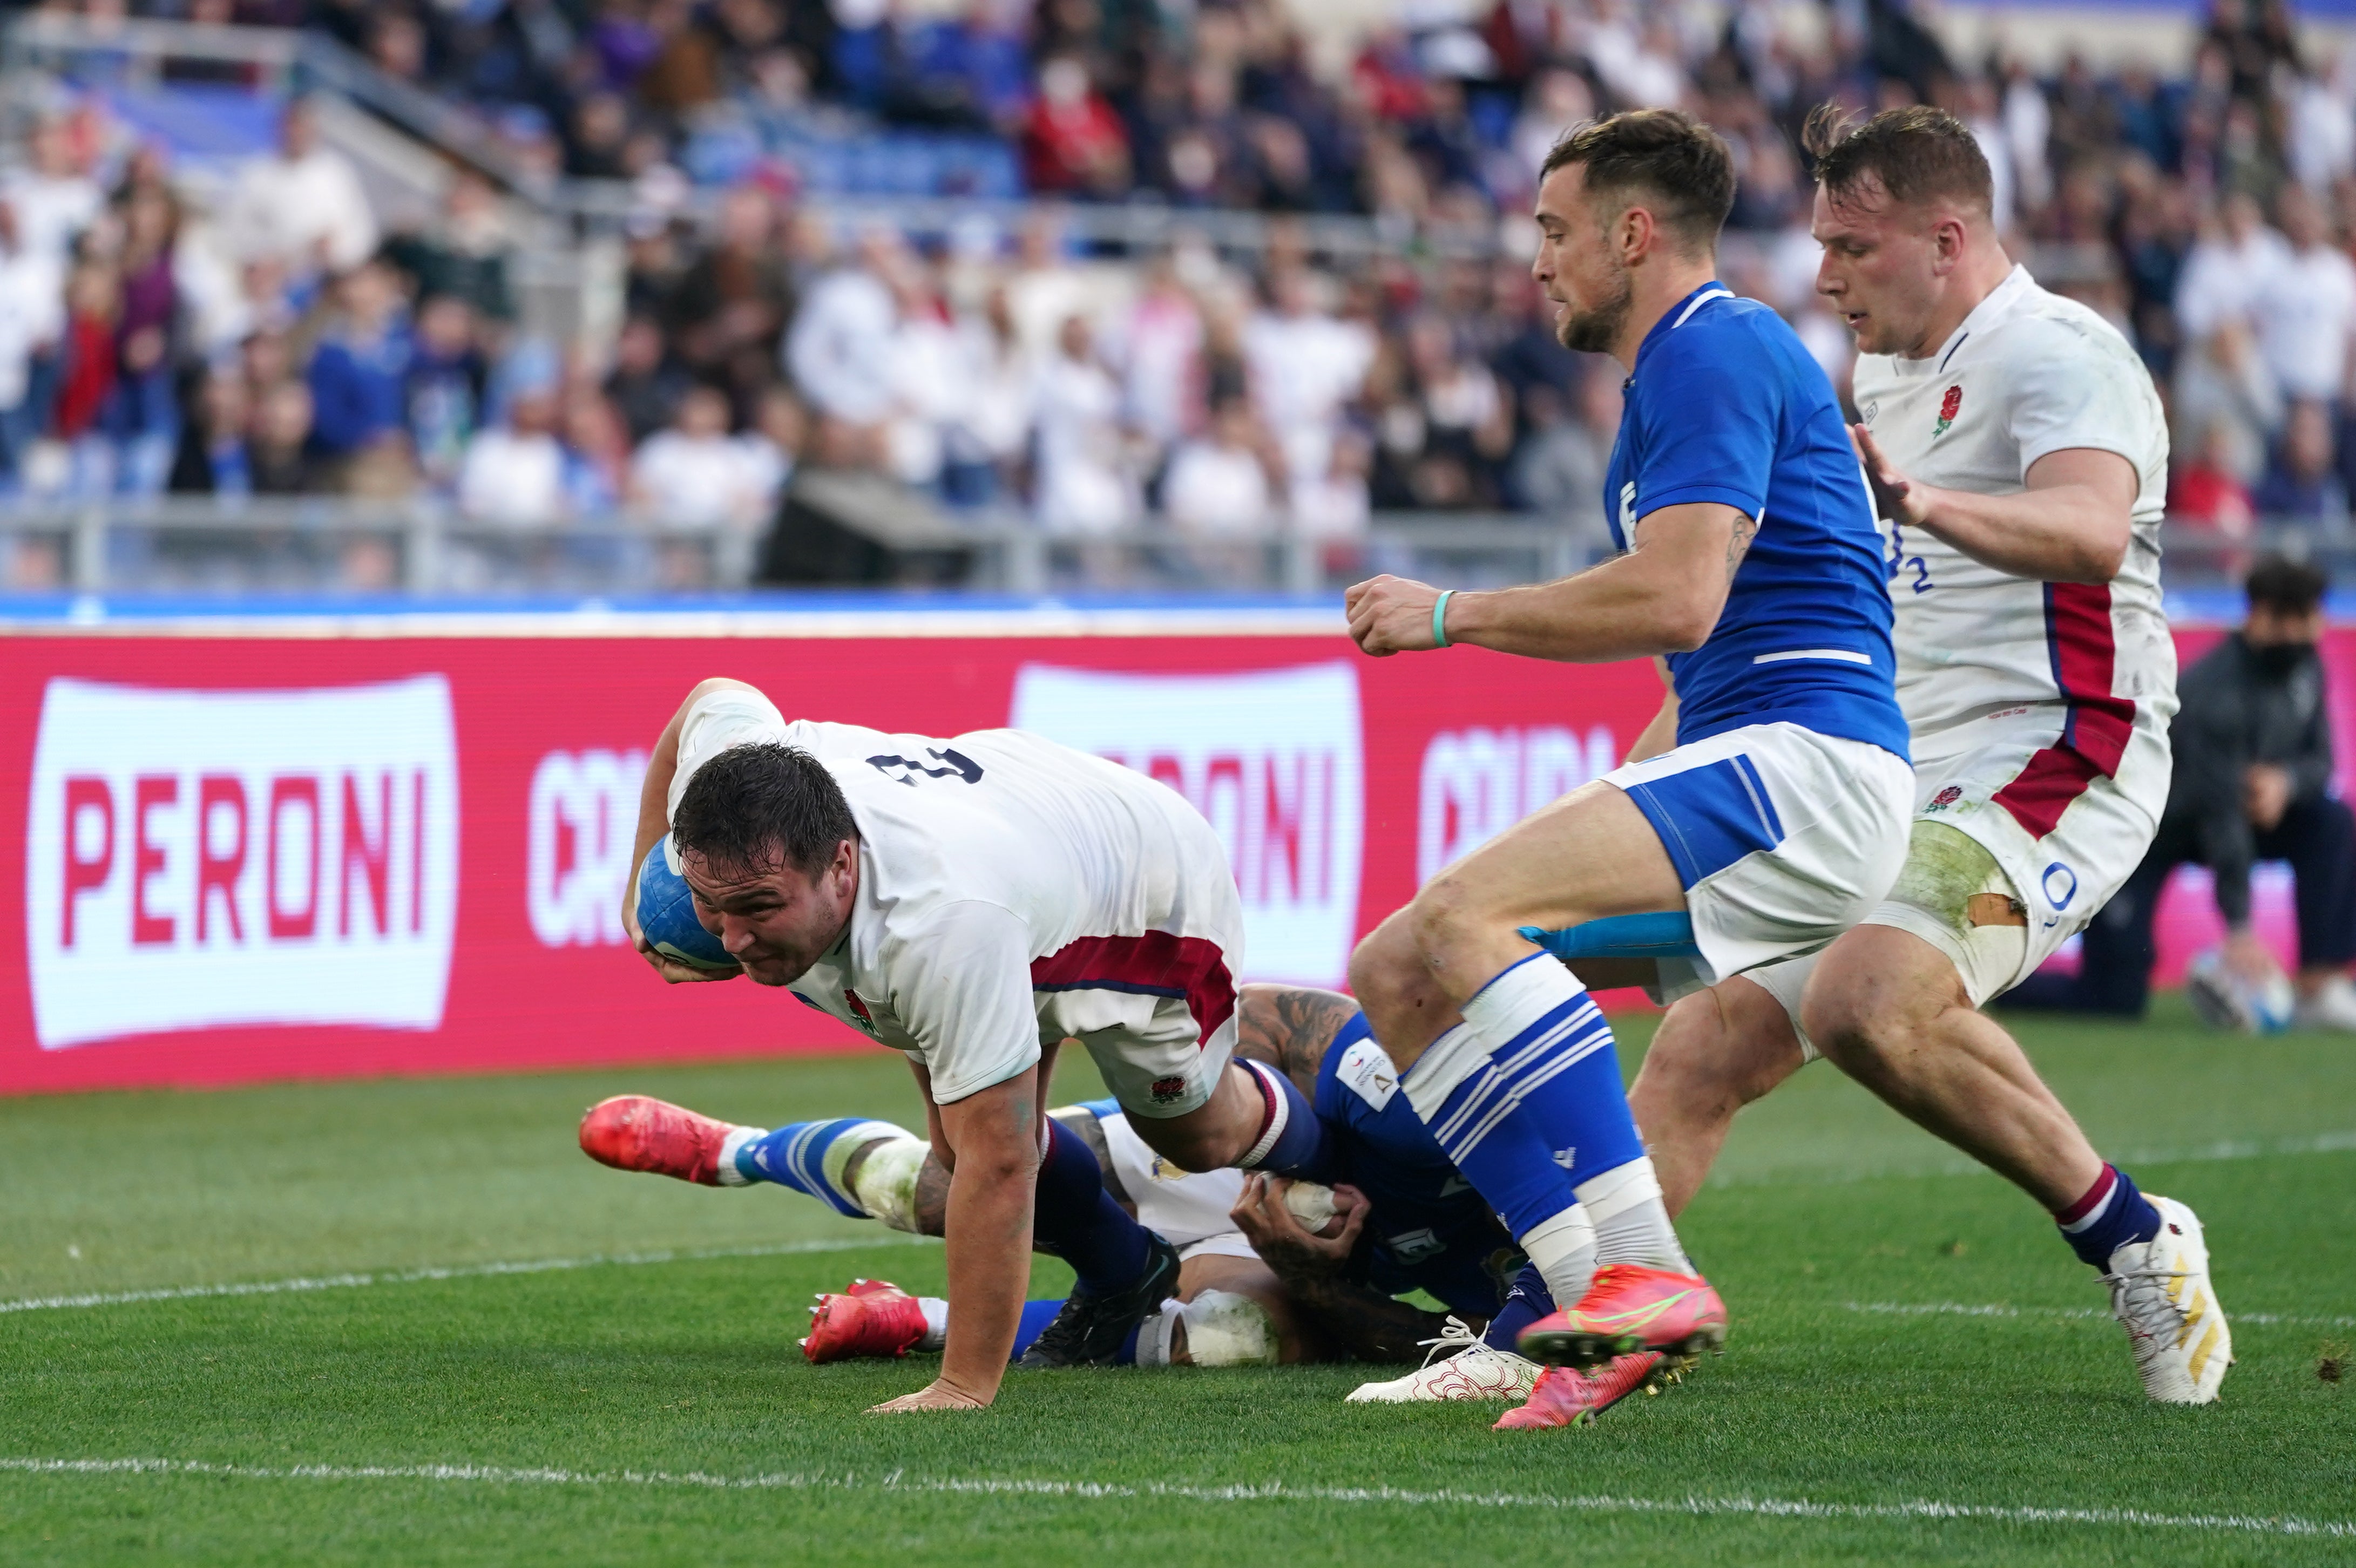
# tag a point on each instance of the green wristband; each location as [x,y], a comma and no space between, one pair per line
[1440,619]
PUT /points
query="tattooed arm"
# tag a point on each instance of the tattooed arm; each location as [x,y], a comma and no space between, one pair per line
[1290,1027]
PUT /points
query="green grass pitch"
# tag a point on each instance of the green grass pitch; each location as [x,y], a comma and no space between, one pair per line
[1919,1370]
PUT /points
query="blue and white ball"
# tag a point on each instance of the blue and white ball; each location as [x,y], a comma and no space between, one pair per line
[667,913]
[2223,999]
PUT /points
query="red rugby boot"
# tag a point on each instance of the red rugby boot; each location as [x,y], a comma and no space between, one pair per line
[873,1317]
[1630,1308]
[637,1132]
[1565,1396]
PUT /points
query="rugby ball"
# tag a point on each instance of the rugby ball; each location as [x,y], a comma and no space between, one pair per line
[2223,999]
[667,913]
[1312,1203]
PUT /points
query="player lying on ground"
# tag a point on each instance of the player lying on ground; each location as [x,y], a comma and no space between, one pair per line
[1326,1290]
[972,903]
[2020,453]
[876,1171]
[1766,804]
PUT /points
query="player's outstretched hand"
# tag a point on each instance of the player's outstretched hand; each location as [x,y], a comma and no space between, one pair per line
[672,970]
[1895,496]
[939,1394]
[1261,1214]
[1391,616]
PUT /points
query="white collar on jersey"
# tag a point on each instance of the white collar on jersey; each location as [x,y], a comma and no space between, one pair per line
[1699,301]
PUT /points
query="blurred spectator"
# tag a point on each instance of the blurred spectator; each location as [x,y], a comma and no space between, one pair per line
[443,385]
[2207,490]
[840,351]
[515,471]
[2253,781]
[2303,484]
[303,205]
[1224,481]
[86,369]
[694,474]
[1083,483]
[1074,142]
[1304,367]
[727,311]
[2306,308]
[278,457]
[360,370]
[212,458]
[53,198]
[32,313]
[464,256]
[645,383]
[141,418]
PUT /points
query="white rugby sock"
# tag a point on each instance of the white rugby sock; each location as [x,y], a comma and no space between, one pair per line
[886,1183]
[736,1139]
[1563,1249]
[1631,1224]
[937,1323]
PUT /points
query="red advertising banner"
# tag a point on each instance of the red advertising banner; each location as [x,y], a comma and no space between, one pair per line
[253,857]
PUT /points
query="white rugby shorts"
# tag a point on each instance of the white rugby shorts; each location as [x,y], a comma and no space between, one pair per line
[2059,880]
[1783,838]
[1189,1210]
[1157,1010]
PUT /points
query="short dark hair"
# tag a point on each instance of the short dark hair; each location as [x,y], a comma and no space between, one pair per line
[1664,154]
[1918,154]
[763,805]
[2286,586]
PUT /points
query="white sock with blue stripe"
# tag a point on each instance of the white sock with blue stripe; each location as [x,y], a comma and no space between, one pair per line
[809,1156]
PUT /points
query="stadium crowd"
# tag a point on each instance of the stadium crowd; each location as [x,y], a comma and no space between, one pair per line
[281,343]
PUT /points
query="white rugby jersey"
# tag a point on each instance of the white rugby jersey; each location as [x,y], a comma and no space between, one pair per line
[2026,374]
[1011,890]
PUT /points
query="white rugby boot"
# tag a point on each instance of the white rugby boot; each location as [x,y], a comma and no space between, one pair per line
[2160,1292]
[1470,1370]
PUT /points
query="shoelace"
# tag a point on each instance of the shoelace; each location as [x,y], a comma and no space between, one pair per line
[1455,1337]
[2139,1299]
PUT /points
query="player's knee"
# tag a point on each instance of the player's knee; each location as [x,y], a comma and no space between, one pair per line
[1856,1025]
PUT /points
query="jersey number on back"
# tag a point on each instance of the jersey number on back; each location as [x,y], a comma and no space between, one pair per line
[956,765]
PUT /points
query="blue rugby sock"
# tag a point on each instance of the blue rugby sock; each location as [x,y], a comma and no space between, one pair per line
[1293,1141]
[809,1157]
[1526,1098]
[1525,1302]
[1077,1221]
[2113,1213]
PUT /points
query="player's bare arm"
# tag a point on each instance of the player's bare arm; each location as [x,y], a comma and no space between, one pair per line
[991,1147]
[1290,1027]
[1663,596]
[2071,524]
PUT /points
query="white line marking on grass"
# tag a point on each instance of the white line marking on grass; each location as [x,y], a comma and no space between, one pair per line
[462,1271]
[1998,1310]
[1276,1491]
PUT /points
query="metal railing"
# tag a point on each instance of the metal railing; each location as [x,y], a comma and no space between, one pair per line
[426,547]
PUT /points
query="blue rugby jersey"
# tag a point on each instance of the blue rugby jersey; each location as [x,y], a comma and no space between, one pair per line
[1427,1229]
[1726,405]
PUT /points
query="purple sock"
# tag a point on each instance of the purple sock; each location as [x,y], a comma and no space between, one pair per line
[2111,1214]
[1077,1220]
[1525,1302]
